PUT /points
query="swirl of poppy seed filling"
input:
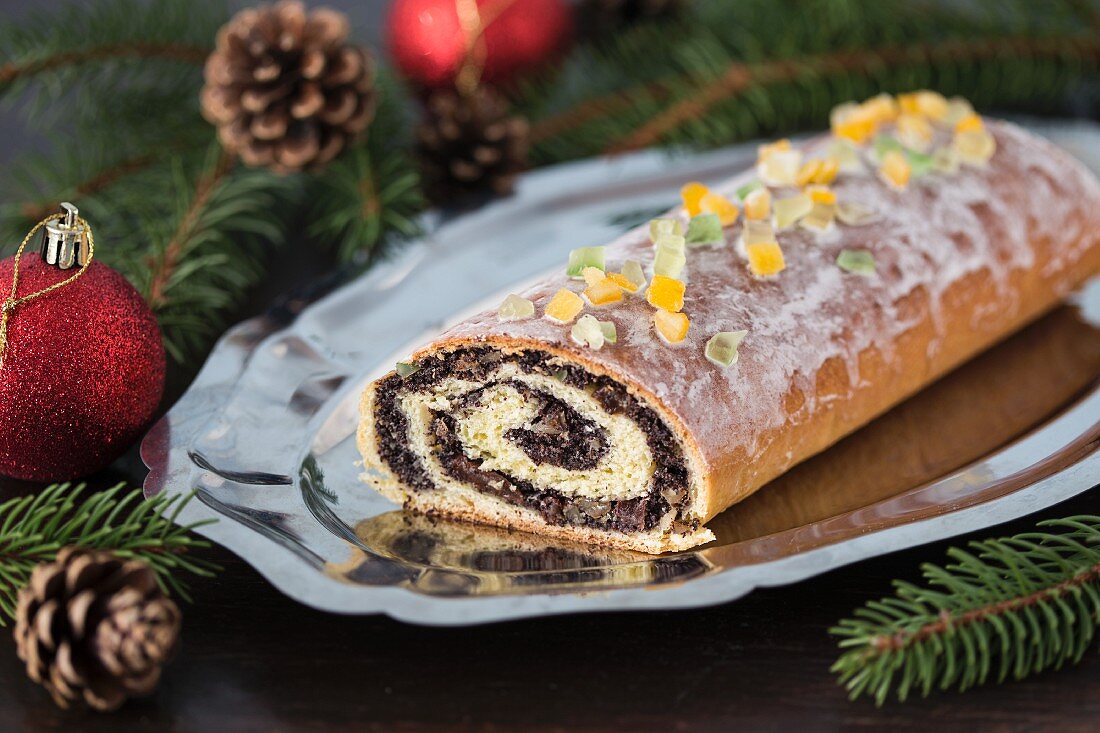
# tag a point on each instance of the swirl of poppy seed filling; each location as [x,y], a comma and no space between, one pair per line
[557,435]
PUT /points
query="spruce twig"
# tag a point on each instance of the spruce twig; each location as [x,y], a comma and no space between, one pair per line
[1005,607]
[33,528]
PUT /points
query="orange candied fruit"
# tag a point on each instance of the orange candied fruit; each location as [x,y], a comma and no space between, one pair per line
[882,108]
[564,306]
[808,172]
[758,204]
[829,168]
[622,281]
[856,125]
[969,123]
[666,293]
[895,169]
[673,327]
[714,203]
[821,194]
[603,292]
[692,195]
[765,259]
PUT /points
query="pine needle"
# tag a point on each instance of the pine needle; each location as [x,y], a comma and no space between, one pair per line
[1007,608]
[33,528]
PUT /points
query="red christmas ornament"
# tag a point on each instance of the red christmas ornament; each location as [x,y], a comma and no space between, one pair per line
[81,365]
[430,39]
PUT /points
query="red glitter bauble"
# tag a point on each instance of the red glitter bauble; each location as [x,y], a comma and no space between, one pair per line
[428,43]
[82,374]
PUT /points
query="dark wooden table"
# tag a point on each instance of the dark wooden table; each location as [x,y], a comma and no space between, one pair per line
[255,660]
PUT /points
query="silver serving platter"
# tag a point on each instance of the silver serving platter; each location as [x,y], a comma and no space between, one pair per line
[264,436]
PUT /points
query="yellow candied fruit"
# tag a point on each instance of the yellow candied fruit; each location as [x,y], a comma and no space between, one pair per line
[857,127]
[592,275]
[758,204]
[969,123]
[673,327]
[692,195]
[808,172]
[765,259]
[603,292]
[821,194]
[881,108]
[907,103]
[666,293]
[829,168]
[726,210]
[564,306]
[915,131]
[765,150]
[932,104]
[622,281]
[895,169]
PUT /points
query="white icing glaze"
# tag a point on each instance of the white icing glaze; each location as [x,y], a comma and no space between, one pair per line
[940,230]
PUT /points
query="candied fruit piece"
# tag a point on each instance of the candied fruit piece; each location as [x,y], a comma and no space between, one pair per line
[907,103]
[657,227]
[756,231]
[895,169]
[846,155]
[765,258]
[720,206]
[632,271]
[623,281]
[767,149]
[564,306]
[515,308]
[669,261]
[830,167]
[957,108]
[853,122]
[404,369]
[881,108]
[583,257]
[673,327]
[758,204]
[789,210]
[587,332]
[859,261]
[721,348]
[666,293]
[692,195]
[932,104]
[743,192]
[603,292]
[671,241]
[915,131]
[855,215]
[969,123]
[610,335]
[592,275]
[808,172]
[780,168]
[820,217]
[705,229]
[974,147]
[821,194]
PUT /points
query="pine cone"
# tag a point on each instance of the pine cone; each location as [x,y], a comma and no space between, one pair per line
[285,89]
[92,626]
[599,17]
[468,144]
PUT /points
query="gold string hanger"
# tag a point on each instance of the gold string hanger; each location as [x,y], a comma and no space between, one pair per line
[62,249]
[474,20]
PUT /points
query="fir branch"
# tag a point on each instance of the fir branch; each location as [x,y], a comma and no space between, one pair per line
[15,70]
[33,528]
[1010,606]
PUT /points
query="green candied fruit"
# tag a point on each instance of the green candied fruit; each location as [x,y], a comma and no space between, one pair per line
[587,332]
[744,191]
[920,164]
[721,349]
[671,241]
[669,261]
[583,257]
[610,335]
[884,144]
[515,308]
[704,229]
[405,369]
[859,261]
[657,227]
[632,271]
[788,211]
[854,214]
